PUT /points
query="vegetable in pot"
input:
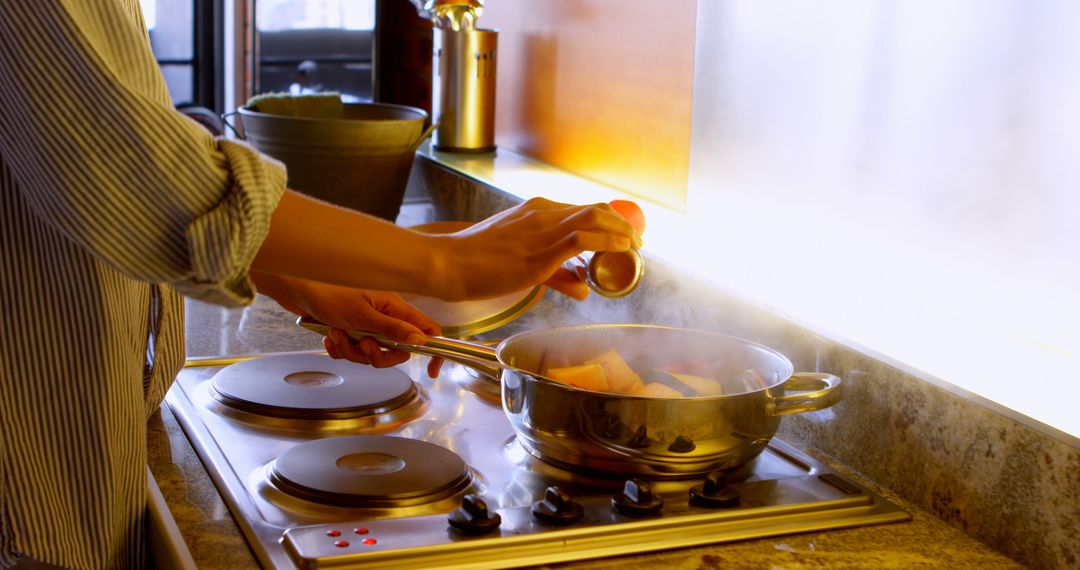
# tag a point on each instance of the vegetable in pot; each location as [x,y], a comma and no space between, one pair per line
[609,372]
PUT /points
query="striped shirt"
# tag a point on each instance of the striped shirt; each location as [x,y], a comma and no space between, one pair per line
[112,205]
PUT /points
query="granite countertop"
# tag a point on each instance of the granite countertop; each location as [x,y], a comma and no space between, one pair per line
[216,542]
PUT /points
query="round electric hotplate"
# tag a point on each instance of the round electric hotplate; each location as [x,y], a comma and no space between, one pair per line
[312,386]
[369,471]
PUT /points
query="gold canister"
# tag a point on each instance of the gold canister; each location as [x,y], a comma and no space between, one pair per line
[610,273]
[465,105]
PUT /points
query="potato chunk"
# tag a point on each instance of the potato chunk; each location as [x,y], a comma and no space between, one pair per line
[620,377]
[658,390]
[702,386]
[587,376]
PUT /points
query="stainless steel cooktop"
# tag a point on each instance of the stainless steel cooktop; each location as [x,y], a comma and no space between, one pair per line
[326,463]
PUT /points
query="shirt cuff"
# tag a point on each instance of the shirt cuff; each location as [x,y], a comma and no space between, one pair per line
[223,242]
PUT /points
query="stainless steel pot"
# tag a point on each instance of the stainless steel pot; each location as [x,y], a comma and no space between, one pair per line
[659,438]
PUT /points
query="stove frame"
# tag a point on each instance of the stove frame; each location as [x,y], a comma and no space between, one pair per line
[786,492]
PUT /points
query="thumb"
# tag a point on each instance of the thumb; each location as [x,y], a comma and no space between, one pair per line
[396,329]
[568,283]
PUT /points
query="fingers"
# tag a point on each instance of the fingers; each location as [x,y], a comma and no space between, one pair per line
[568,283]
[434,366]
[631,212]
[545,215]
[339,345]
[380,357]
[366,351]
[331,347]
[398,308]
[398,329]
[579,241]
[598,218]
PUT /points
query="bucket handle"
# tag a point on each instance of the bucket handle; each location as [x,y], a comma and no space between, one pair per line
[225,119]
[427,132]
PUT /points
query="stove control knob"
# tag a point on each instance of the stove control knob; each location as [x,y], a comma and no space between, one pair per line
[474,517]
[612,427]
[637,500]
[557,508]
[682,444]
[640,439]
[714,494]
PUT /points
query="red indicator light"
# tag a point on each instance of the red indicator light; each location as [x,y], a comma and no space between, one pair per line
[341,543]
[333,533]
[370,541]
[360,530]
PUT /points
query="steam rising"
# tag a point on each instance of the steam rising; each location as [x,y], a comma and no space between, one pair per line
[739,366]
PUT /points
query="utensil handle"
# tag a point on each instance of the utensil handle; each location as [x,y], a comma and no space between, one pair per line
[812,391]
[474,355]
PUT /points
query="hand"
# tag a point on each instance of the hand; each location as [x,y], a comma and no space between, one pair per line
[527,245]
[346,308]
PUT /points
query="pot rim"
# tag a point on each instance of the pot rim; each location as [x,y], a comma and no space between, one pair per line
[506,367]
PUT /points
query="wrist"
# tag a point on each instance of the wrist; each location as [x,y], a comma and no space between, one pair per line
[266,283]
[442,279]
[282,289]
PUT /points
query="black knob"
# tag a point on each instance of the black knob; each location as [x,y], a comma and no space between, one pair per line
[637,500]
[640,440]
[682,444]
[474,517]
[613,427]
[557,507]
[714,493]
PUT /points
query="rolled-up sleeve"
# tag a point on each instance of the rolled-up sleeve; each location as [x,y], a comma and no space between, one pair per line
[223,241]
[101,155]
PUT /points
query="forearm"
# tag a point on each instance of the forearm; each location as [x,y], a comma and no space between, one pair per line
[311,239]
[519,247]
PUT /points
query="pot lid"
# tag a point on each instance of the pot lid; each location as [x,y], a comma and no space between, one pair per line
[464,319]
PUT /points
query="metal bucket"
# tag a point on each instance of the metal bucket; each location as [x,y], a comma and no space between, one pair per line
[361,161]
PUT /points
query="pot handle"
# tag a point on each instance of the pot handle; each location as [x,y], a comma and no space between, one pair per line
[474,355]
[812,391]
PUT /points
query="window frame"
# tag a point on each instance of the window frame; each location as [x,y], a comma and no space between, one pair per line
[207,62]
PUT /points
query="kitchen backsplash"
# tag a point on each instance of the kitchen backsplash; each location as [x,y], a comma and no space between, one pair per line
[1014,488]
[602,88]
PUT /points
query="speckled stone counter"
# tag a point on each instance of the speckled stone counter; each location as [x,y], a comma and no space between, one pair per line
[211,534]
[966,472]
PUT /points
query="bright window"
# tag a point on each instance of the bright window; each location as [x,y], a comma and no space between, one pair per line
[308,46]
[278,15]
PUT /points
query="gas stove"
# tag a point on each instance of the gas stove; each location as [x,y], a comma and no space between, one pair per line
[326,463]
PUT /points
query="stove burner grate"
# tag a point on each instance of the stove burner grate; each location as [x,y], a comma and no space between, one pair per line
[370,472]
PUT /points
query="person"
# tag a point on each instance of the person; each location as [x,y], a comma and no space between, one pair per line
[113,205]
